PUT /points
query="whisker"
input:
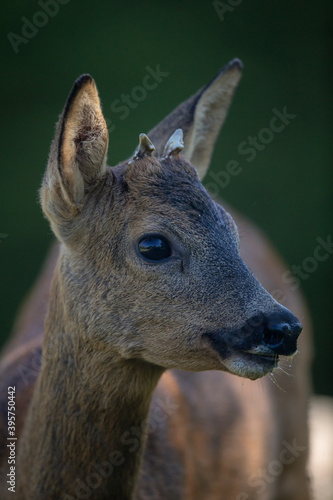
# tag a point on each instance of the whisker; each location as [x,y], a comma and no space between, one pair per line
[284,371]
[275,382]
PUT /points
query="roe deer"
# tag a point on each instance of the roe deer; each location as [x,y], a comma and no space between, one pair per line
[150,278]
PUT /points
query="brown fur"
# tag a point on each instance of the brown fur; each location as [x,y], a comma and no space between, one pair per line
[115,323]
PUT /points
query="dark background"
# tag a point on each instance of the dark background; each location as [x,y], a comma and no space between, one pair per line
[285,47]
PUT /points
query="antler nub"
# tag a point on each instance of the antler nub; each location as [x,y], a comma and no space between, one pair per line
[146,147]
[175,144]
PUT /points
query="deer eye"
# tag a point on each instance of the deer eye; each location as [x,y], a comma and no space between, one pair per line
[154,247]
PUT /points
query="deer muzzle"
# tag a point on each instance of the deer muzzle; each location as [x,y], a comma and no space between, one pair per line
[253,350]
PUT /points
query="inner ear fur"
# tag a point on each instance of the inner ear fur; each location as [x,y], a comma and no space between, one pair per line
[77,157]
[83,141]
[78,152]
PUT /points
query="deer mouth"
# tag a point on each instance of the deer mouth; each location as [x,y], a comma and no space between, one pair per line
[251,365]
[251,362]
[269,360]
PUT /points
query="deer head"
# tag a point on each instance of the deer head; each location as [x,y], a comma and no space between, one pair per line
[150,266]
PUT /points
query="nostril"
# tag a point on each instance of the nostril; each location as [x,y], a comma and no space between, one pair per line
[281,336]
[273,338]
[279,332]
[286,328]
[296,328]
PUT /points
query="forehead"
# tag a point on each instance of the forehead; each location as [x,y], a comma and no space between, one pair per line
[168,191]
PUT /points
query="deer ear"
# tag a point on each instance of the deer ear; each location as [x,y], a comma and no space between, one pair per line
[78,152]
[201,118]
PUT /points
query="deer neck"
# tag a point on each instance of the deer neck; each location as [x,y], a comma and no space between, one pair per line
[84,434]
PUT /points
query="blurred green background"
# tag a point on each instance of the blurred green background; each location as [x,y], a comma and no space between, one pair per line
[285,47]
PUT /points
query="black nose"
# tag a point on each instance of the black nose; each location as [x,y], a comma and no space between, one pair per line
[281,331]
